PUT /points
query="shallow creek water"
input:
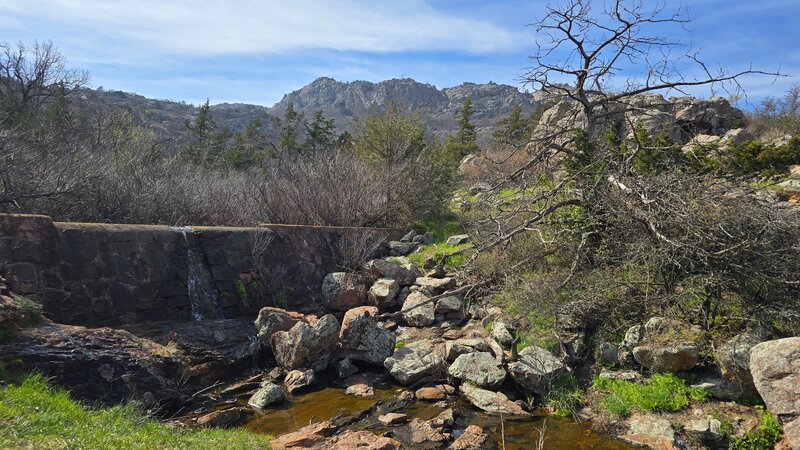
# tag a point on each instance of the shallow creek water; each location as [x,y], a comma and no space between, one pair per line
[329,402]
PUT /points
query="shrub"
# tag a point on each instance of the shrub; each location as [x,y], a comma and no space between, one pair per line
[764,437]
[662,392]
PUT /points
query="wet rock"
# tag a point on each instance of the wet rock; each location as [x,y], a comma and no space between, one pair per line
[364,440]
[435,286]
[346,368]
[415,361]
[473,438]
[361,337]
[383,293]
[536,369]
[418,316]
[305,437]
[457,239]
[397,248]
[268,394]
[306,345]
[492,402]
[404,273]
[434,393]
[733,360]
[220,419]
[393,419]
[97,365]
[422,434]
[360,390]
[453,349]
[652,432]
[501,333]
[297,380]
[342,291]
[479,368]
[271,320]
[775,366]
[449,304]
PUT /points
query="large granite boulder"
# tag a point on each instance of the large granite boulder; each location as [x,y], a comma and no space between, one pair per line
[271,320]
[418,316]
[463,346]
[362,338]
[479,368]
[666,345]
[297,380]
[489,401]
[403,274]
[383,293]
[305,345]
[342,291]
[414,361]
[435,286]
[775,366]
[733,360]
[536,369]
[268,394]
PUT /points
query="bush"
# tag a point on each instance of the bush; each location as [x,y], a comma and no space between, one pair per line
[36,415]
[762,438]
[662,392]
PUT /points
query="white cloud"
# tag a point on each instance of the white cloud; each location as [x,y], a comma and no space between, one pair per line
[255,27]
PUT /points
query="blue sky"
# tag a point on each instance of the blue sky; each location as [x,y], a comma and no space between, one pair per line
[255,51]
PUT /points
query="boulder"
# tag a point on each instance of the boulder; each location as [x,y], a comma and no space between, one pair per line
[392,419]
[463,346]
[299,379]
[361,337]
[268,394]
[608,354]
[662,345]
[434,393]
[458,239]
[733,360]
[397,248]
[423,239]
[536,369]
[479,368]
[346,368]
[306,345]
[404,273]
[651,431]
[489,401]
[342,291]
[435,286]
[775,366]
[449,304]
[409,237]
[425,433]
[271,320]
[364,440]
[221,418]
[306,437]
[501,333]
[473,438]
[383,293]
[360,390]
[418,316]
[667,357]
[414,361]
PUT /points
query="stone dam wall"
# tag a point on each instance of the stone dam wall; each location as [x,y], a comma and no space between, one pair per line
[106,274]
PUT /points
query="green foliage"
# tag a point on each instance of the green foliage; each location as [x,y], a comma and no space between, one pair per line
[31,310]
[465,141]
[764,437]
[564,397]
[320,134]
[241,292]
[439,252]
[399,344]
[289,129]
[36,415]
[755,158]
[662,392]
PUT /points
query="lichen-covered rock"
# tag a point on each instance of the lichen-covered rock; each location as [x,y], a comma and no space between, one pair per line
[268,394]
[501,333]
[536,369]
[414,361]
[652,431]
[403,273]
[449,304]
[733,360]
[489,401]
[306,345]
[397,248]
[479,368]
[435,286]
[299,379]
[361,337]
[775,366]
[415,315]
[383,293]
[342,291]
[463,346]
[457,239]
[271,320]
[668,346]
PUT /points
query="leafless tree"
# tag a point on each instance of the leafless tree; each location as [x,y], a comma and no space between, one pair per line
[31,75]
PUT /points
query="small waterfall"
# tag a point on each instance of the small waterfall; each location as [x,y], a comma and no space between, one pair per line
[200,282]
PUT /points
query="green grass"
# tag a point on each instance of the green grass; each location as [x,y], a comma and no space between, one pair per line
[564,396]
[36,415]
[662,392]
[438,251]
[764,437]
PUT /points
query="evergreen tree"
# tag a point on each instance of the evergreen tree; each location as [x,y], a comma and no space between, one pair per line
[465,141]
[320,134]
[289,129]
[249,147]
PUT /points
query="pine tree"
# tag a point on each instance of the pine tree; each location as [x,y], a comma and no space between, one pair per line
[465,141]
[320,134]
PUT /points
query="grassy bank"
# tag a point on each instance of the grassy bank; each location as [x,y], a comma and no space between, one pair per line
[34,414]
